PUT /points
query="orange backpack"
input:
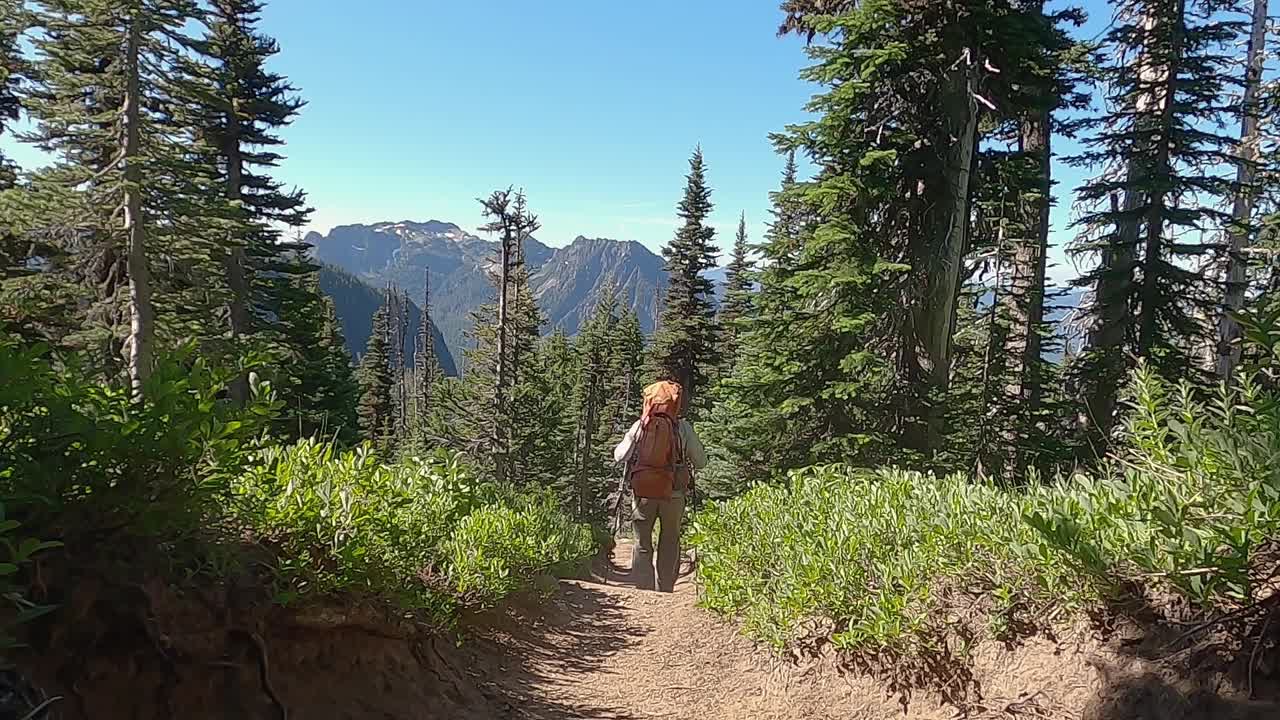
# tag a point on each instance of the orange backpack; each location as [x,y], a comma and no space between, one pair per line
[657,458]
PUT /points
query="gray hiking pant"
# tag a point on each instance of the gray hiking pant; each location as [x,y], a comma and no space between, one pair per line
[668,514]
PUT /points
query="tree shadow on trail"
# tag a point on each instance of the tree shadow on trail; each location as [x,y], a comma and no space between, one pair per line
[1172,665]
[618,570]
[1151,697]
[530,656]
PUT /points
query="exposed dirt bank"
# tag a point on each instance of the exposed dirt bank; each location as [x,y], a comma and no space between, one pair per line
[595,649]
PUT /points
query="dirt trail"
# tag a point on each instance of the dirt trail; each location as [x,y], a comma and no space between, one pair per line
[605,649]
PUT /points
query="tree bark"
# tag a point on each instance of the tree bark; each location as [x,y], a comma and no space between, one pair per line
[588,433]
[423,358]
[1246,196]
[500,386]
[1023,304]
[936,317]
[141,311]
[1148,330]
[234,259]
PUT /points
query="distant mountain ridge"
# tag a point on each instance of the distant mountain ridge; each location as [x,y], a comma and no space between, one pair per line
[567,281]
[568,285]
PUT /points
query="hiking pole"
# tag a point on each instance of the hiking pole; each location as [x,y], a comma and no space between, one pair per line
[619,415]
[616,524]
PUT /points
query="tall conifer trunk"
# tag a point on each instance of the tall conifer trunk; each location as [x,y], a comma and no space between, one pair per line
[1246,196]
[945,253]
[1025,301]
[1115,285]
[1022,306]
[424,359]
[588,436]
[500,382]
[234,260]
[1155,217]
[141,311]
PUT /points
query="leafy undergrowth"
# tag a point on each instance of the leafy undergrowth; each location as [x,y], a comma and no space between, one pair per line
[423,533]
[885,561]
[187,487]
[877,555]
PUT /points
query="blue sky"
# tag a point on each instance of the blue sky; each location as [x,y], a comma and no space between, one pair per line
[417,109]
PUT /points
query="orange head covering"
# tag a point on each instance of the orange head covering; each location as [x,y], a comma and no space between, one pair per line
[661,398]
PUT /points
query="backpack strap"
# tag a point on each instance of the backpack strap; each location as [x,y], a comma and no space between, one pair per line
[683,460]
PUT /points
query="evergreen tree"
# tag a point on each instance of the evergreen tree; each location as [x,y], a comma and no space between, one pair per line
[129,192]
[532,426]
[737,295]
[526,319]
[1167,92]
[10,73]
[783,240]
[1042,82]
[503,361]
[1243,222]
[397,358]
[377,407]
[1004,305]
[541,411]
[849,353]
[595,347]
[426,372]
[627,363]
[533,410]
[502,221]
[243,107]
[686,345]
[744,433]
[12,259]
[315,383]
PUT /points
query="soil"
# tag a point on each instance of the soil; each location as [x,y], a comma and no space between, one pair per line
[596,648]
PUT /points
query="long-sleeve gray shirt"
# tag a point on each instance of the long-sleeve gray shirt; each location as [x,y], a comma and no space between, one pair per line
[694,453]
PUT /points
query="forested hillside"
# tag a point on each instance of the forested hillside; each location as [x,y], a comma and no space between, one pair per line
[938,483]
[355,303]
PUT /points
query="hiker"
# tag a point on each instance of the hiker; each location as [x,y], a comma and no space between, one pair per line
[660,451]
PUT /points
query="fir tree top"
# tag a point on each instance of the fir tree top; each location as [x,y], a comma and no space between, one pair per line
[686,346]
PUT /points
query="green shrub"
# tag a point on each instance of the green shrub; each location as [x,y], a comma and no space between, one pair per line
[422,534]
[870,556]
[16,554]
[1190,502]
[81,458]
[84,464]
[497,549]
[1192,496]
